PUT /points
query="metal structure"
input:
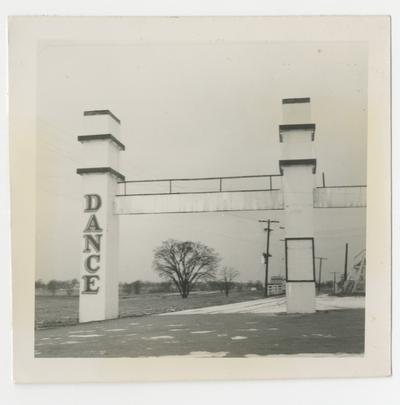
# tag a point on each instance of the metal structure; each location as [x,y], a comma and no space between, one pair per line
[133,202]
[355,283]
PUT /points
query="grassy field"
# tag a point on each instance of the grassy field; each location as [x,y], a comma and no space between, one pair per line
[61,311]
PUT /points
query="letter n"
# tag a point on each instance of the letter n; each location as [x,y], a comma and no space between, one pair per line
[92,241]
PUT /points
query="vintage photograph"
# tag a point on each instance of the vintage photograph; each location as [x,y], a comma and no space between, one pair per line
[200,198]
[203,200]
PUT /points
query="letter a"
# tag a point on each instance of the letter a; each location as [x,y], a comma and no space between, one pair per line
[92,225]
[93,202]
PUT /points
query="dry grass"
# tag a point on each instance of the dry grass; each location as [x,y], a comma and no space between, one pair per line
[59,311]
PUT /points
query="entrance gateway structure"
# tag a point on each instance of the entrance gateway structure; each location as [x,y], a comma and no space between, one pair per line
[107,196]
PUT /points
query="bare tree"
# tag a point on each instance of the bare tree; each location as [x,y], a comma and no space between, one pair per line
[53,286]
[185,263]
[39,283]
[228,274]
[137,286]
[69,288]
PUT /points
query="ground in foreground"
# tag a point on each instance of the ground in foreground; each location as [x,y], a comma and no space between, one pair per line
[205,335]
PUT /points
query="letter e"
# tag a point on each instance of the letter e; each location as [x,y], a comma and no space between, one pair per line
[88,283]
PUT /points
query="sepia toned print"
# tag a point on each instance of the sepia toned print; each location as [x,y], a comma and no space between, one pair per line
[296,200]
[206,198]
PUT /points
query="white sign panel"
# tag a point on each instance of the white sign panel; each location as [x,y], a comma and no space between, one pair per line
[300,259]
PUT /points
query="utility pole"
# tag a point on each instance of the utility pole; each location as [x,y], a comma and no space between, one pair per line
[334,280]
[345,261]
[320,271]
[267,255]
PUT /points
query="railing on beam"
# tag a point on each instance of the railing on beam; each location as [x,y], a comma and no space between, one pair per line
[200,185]
[220,194]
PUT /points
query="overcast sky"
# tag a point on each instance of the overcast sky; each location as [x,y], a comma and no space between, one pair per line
[197,110]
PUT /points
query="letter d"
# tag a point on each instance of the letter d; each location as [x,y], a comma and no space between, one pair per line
[92,202]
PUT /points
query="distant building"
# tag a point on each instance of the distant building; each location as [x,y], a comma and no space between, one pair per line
[277,285]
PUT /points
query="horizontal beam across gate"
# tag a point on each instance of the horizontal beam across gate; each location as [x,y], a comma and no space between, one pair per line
[234,200]
[247,200]
[340,197]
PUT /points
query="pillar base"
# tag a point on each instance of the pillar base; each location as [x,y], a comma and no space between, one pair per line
[89,313]
[300,297]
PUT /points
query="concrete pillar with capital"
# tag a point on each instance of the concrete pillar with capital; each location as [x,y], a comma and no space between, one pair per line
[298,167]
[98,298]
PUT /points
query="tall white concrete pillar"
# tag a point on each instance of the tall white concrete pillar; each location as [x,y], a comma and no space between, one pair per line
[98,299]
[298,167]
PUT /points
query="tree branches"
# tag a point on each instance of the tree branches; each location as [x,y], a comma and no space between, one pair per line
[228,274]
[185,263]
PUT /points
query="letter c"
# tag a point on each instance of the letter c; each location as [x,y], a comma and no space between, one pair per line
[88,263]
